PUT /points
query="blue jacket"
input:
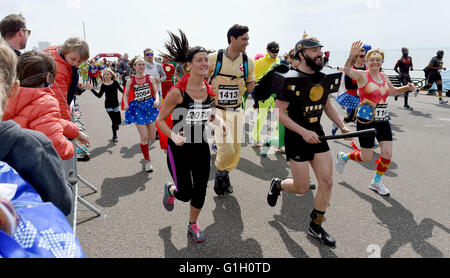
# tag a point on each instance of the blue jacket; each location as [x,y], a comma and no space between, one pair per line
[33,156]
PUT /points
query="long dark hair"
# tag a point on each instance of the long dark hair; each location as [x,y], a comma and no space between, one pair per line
[178,48]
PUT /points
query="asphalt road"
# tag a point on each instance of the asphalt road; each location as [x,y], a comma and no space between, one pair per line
[412,223]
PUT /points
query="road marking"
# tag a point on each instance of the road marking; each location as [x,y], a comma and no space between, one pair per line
[444,119]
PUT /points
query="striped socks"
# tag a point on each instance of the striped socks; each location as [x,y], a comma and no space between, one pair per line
[355,156]
[382,166]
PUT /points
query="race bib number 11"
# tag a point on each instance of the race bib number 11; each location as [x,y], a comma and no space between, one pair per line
[381,113]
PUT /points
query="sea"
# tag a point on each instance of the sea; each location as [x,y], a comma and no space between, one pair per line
[420,57]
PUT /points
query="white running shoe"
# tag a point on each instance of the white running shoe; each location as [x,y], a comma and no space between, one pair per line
[380,188]
[148,166]
[340,163]
[441,101]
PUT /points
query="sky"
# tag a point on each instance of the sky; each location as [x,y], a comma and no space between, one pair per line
[133,25]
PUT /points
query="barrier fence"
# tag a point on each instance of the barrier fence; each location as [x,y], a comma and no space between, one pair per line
[73,177]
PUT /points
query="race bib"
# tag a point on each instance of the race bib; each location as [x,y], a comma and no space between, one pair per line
[142,92]
[228,95]
[197,115]
[366,112]
[381,113]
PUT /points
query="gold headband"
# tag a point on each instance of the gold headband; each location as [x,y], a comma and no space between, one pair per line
[375,55]
[139,59]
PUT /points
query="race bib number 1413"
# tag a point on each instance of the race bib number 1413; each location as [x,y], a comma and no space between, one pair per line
[228,94]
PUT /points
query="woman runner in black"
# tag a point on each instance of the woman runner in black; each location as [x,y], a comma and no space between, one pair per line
[109,88]
[191,103]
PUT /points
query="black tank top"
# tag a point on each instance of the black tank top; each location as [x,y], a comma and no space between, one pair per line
[191,118]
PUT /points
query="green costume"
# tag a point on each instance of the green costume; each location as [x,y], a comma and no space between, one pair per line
[262,66]
[84,70]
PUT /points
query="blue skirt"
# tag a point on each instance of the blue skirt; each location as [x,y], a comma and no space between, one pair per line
[141,112]
[348,101]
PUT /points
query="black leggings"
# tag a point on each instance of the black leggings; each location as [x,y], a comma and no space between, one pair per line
[116,121]
[189,167]
[350,117]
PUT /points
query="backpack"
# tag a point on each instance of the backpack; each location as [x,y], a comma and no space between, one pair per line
[219,67]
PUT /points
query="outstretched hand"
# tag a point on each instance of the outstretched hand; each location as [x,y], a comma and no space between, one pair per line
[88,86]
[356,49]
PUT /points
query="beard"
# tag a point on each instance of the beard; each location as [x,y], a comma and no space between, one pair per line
[316,67]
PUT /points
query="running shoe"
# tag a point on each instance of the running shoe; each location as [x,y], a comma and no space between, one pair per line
[340,163]
[168,199]
[379,187]
[274,192]
[115,139]
[148,166]
[228,188]
[214,147]
[218,184]
[282,150]
[265,149]
[441,101]
[196,232]
[312,185]
[318,232]
[407,107]
[334,129]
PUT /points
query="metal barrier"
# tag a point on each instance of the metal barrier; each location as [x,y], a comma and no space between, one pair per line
[71,169]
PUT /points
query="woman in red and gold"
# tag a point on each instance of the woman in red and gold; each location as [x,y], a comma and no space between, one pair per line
[374,87]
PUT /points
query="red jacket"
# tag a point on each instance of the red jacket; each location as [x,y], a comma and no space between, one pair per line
[38,109]
[62,82]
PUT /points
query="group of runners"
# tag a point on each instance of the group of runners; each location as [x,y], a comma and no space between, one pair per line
[214,89]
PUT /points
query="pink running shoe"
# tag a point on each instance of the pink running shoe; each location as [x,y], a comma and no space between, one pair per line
[196,232]
[169,199]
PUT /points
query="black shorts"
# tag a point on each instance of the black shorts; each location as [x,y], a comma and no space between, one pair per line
[384,133]
[434,77]
[405,79]
[298,150]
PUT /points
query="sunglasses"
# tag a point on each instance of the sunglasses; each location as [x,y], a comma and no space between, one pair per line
[362,56]
[275,50]
[149,54]
[27,31]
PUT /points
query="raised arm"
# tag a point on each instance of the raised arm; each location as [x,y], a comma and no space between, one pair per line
[357,75]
